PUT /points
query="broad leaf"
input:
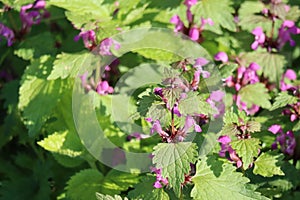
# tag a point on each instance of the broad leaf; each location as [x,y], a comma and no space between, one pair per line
[247,149]
[267,165]
[146,191]
[174,160]
[255,94]
[100,196]
[216,181]
[272,64]
[70,65]
[220,12]
[194,104]
[84,184]
[36,92]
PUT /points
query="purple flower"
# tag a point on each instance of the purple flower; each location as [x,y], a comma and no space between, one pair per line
[194,33]
[286,141]
[190,3]
[288,76]
[243,106]
[275,129]
[215,101]
[221,56]
[33,14]
[88,37]
[179,26]
[226,147]
[244,77]
[260,38]
[106,45]
[103,88]
[204,21]
[156,127]
[7,33]
[284,34]
[160,181]
[137,136]
[190,122]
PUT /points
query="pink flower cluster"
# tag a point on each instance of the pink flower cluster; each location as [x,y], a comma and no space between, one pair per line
[88,37]
[33,14]
[7,33]
[245,76]
[102,87]
[192,30]
[285,141]
[160,181]
[287,28]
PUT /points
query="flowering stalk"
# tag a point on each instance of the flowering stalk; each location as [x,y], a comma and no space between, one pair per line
[193,30]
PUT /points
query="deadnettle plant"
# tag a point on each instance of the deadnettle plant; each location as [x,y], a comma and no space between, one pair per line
[244,76]
[285,31]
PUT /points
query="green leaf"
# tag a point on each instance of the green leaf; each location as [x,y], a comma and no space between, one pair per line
[255,94]
[36,46]
[296,126]
[272,64]
[91,7]
[293,14]
[159,111]
[116,181]
[174,160]
[250,16]
[108,197]
[145,190]
[194,104]
[253,126]
[247,149]
[216,181]
[227,70]
[267,165]
[84,184]
[70,65]
[158,55]
[250,8]
[220,12]
[53,142]
[282,100]
[36,92]
[144,104]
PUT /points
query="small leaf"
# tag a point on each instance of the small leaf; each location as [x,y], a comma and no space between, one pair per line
[146,191]
[255,94]
[266,165]
[253,126]
[84,184]
[247,149]
[194,104]
[53,142]
[108,197]
[296,126]
[227,70]
[282,100]
[174,160]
